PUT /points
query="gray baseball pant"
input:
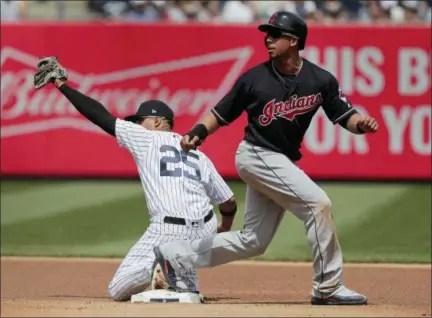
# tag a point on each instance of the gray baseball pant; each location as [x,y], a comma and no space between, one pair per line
[274,184]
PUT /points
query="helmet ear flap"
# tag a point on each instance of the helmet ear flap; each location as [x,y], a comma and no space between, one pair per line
[301,44]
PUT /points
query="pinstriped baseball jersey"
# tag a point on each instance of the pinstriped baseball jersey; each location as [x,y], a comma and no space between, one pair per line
[175,183]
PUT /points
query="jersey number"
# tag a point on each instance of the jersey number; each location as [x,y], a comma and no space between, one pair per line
[178,157]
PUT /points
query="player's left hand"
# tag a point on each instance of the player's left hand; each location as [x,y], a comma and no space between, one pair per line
[368,124]
[225,225]
[48,71]
[221,228]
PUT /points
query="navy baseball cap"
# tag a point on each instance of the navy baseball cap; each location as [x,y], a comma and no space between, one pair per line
[153,108]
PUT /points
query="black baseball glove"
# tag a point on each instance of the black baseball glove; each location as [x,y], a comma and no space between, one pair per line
[48,71]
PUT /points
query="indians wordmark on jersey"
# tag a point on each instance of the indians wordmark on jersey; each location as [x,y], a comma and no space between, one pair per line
[290,108]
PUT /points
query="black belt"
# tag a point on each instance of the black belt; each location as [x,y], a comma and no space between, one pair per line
[181,221]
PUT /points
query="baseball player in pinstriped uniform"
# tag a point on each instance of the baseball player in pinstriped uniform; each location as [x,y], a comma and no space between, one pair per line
[179,187]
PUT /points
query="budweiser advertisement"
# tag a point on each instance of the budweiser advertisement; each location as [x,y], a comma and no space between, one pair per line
[384,71]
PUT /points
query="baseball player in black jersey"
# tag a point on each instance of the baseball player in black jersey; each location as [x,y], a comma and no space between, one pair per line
[280,97]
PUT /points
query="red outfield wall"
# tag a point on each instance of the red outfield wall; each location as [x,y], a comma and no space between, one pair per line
[385,71]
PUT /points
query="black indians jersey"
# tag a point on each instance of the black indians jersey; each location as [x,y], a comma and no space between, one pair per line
[280,108]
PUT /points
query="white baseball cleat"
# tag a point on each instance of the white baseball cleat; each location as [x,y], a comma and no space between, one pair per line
[342,296]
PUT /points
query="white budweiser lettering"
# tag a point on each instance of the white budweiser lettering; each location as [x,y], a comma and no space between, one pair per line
[20,100]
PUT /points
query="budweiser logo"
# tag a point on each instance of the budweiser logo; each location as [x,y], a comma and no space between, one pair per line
[24,110]
[289,109]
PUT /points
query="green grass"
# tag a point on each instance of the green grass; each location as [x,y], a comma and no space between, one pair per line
[399,231]
[122,220]
[17,185]
[375,223]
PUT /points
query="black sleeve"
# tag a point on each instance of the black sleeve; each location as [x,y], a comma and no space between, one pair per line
[90,108]
[336,106]
[231,106]
[344,122]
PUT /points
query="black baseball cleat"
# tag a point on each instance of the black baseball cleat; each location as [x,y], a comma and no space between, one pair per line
[167,271]
[343,296]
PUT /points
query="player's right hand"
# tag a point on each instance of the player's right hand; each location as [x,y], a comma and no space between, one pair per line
[187,144]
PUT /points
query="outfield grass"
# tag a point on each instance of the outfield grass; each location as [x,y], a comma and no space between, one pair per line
[375,222]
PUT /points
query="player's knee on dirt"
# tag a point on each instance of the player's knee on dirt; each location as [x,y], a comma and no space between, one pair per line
[129,283]
[124,293]
[116,293]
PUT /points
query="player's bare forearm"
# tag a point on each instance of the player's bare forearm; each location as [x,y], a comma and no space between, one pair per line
[210,122]
[226,224]
[358,124]
[228,211]
[228,207]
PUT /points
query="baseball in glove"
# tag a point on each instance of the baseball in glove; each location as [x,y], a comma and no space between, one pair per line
[48,71]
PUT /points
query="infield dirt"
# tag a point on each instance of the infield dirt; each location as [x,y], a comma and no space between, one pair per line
[48,287]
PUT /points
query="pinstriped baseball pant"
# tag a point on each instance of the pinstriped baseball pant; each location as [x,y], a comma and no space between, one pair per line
[135,272]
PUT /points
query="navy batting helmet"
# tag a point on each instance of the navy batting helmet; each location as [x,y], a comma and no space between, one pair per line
[290,24]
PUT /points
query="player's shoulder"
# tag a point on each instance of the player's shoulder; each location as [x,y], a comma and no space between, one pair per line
[318,73]
[255,72]
[130,126]
[259,68]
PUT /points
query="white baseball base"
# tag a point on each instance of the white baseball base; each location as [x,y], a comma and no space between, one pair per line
[165,296]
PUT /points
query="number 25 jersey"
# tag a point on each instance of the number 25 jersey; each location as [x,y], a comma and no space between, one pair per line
[175,183]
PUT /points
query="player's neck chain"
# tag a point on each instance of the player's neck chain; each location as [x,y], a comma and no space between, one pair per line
[281,79]
[296,73]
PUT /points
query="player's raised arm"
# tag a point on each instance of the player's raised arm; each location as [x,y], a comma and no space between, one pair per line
[50,71]
[133,133]
[340,110]
[229,108]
